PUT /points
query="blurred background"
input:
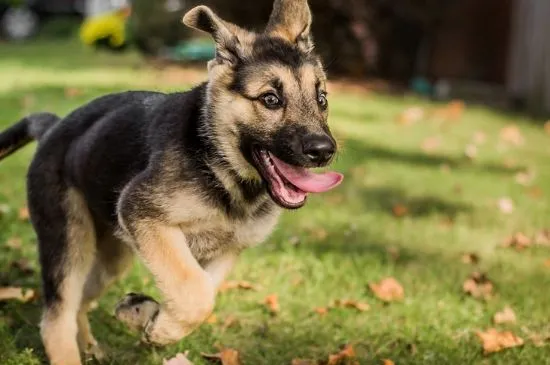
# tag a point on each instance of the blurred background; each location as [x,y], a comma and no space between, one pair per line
[490,51]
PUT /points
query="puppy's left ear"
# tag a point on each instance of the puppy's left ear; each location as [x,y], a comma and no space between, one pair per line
[291,20]
[230,39]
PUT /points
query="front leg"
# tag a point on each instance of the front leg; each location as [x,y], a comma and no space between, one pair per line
[188,290]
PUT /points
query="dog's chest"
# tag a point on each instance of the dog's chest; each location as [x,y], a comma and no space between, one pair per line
[212,236]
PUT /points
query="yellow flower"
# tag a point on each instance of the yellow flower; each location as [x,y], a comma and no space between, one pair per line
[110,27]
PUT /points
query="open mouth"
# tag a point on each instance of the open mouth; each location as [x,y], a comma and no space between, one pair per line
[290,185]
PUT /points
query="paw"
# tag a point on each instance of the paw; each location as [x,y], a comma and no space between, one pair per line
[137,311]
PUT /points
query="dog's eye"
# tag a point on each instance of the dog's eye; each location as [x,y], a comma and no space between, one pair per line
[271,101]
[322,100]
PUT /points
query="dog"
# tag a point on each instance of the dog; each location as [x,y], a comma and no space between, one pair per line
[185,180]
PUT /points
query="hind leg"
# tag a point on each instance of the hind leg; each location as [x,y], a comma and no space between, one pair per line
[112,260]
[67,250]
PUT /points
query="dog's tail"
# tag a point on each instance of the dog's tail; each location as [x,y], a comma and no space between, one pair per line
[25,131]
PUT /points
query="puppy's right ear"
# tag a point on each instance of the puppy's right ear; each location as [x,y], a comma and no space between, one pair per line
[229,46]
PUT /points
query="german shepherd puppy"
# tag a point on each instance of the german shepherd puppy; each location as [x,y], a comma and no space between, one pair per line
[186,181]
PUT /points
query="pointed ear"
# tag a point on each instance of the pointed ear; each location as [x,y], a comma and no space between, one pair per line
[228,37]
[291,20]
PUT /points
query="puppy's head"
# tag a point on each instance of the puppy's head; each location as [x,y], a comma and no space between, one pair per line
[267,101]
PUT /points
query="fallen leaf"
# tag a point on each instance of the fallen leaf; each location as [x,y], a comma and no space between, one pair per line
[23,295]
[393,252]
[14,243]
[244,285]
[547,127]
[495,341]
[506,205]
[346,303]
[411,116]
[72,92]
[272,303]
[303,362]
[387,362]
[321,311]
[319,234]
[180,359]
[388,290]
[478,286]
[28,101]
[212,319]
[470,258]
[535,192]
[479,137]
[445,167]
[506,315]
[470,151]
[346,353]
[539,340]
[430,144]
[23,266]
[518,240]
[226,357]
[24,214]
[512,135]
[400,210]
[525,178]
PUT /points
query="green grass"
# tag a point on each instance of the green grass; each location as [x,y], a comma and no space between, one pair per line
[345,237]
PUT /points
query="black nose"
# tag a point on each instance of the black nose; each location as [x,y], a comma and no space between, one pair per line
[319,149]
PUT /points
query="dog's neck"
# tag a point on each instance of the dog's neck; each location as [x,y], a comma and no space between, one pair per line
[244,195]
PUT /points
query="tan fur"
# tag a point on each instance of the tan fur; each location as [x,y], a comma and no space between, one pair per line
[59,327]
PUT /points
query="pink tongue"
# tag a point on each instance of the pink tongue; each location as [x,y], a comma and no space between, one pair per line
[306,180]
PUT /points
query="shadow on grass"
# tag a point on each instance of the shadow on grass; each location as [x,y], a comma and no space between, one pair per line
[357,151]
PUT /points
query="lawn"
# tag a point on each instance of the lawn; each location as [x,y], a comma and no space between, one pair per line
[411,206]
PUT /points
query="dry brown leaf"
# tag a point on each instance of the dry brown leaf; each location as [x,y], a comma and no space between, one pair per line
[506,205]
[24,214]
[539,340]
[229,322]
[14,243]
[13,293]
[212,319]
[525,178]
[547,263]
[225,356]
[400,210]
[387,362]
[495,341]
[319,234]
[512,135]
[347,303]
[346,353]
[272,303]
[244,285]
[518,240]
[479,137]
[430,144]
[470,258]
[321,311]
[304,362]
[535,192]
[411,116]
[180,359]
[478,286]
[72,92]
[506,315]
[547,127]
[23,266]
[388,290]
